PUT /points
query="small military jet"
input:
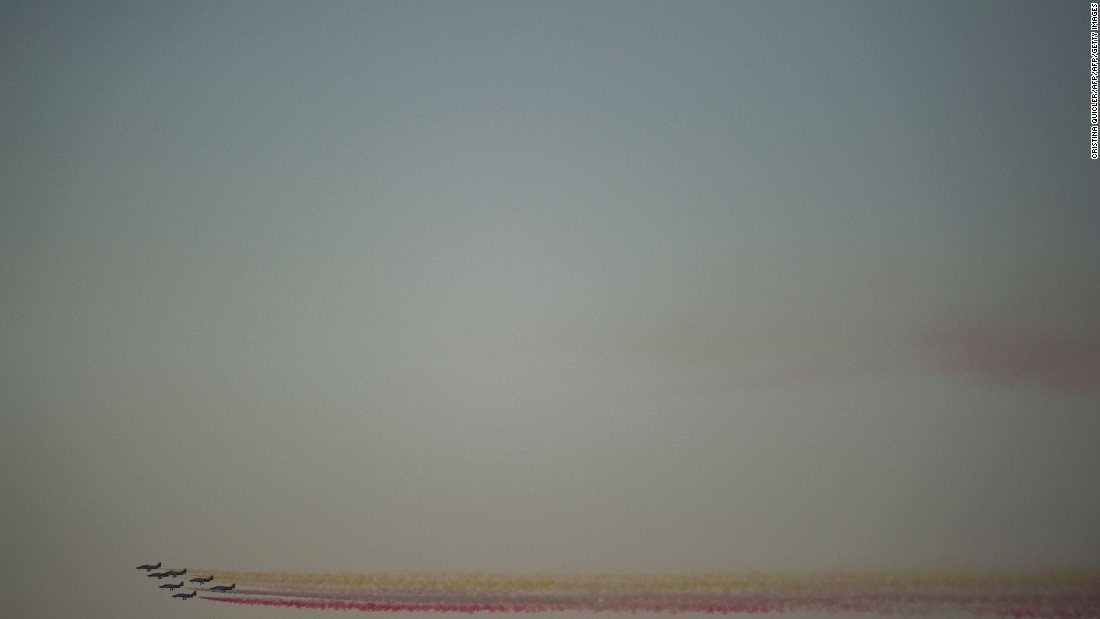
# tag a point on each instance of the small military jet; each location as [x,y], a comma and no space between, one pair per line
[186,596]
[203,581]
[174,573]
[223,588]
[158,575]
[171,586]
[149,568]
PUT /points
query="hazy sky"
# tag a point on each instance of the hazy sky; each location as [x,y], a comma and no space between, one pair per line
[542,286]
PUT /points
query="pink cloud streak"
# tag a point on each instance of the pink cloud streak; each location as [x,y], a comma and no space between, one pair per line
[1042,360]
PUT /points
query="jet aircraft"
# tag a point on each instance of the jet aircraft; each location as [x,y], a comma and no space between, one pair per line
[223,588]
[174,573]
[186,596]
[158,575]
[149,568]
[171,586]
[203,581]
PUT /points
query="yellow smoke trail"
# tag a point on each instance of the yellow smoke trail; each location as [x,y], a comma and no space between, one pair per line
[833,582]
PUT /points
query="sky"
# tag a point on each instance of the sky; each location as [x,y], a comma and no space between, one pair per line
[542,287]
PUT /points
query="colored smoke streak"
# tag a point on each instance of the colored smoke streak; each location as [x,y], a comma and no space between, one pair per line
[1054,594]
[1032,606]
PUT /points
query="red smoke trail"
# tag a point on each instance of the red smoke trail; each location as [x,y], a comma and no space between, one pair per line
[1015,606]
[1068,593]
[1045,361]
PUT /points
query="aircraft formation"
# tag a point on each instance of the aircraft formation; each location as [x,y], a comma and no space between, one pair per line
[197,582]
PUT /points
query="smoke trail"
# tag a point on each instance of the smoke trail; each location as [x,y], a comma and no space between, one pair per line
[1047,361]
[420,581]
[1040,594]
[325,604]
[1038,607]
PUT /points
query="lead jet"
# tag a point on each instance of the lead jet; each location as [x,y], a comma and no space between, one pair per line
[186,596]
[223,588]
[174,573]
[149,568]
[203,581]
[157,575]
[171,586]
